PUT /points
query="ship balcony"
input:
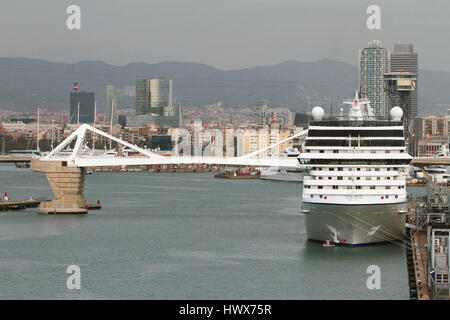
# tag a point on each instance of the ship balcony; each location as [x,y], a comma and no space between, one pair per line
[376,183]
[316,174]
[343,192]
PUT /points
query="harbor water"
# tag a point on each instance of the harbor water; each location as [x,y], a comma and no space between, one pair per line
[181,236]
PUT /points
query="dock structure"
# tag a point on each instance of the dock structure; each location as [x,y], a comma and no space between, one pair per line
[8,205]
[15,159]
[429,234]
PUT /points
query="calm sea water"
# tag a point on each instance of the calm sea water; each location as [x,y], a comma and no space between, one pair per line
[181,236]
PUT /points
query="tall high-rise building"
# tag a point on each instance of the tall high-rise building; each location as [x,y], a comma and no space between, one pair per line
[142,96]
[374,62]
[111,104]
[261,111]
[153,95]
[160,92]
[154,104]
[82,106]
[404,59]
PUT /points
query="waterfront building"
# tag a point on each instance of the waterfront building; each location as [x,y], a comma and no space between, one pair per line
[255,139]
[374,62]
[431,132]
[404,59]
[160,120]
[431,125]
[142,96]
[432,146]
[261,112]
[82,106]
[154,104]
[160,92]
[162,142]
[400,87]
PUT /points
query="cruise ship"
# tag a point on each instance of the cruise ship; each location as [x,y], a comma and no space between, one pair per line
[354,188]
[284,173]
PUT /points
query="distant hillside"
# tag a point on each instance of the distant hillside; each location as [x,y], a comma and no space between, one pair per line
[26,84]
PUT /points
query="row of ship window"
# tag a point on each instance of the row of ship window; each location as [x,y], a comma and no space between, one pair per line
[357,169]
[351,187]
[382,197]
[356,123]
[356,162]
[354,143]
[351,178]
[355,133]
[345,151]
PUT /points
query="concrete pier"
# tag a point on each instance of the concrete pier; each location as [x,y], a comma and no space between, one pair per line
[8,205]
[419,256]
[67,184]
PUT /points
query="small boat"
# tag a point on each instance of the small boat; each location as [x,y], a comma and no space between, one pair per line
[235,176]
[327,243]
[239,174]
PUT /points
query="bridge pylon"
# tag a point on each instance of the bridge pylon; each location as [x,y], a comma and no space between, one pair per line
[67,184]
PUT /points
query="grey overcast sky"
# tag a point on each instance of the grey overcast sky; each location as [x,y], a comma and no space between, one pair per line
[227,34]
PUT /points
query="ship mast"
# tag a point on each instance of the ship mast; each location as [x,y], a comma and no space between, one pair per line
[78,113]
[95,115]
[111,123]
[37,131]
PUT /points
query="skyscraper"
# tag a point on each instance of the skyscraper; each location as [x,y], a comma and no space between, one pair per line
[374,62]
[142,96]
[160,92]
[82,106]
[154,104]
[111,104]
[404,59]
[153,95]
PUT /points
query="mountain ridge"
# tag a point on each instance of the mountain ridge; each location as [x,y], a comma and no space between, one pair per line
[26,83]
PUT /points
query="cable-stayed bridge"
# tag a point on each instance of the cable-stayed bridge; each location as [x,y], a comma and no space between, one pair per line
[65,169]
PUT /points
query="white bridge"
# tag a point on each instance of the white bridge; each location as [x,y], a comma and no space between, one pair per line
[80,159]
[65,171]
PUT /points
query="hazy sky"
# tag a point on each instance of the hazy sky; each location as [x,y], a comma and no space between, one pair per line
[227,34]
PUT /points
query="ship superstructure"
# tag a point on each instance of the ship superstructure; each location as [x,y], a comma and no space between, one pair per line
[354,188]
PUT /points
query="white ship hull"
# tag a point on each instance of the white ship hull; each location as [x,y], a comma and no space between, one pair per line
[355,224]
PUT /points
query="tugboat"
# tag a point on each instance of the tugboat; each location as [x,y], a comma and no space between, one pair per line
[247,173]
